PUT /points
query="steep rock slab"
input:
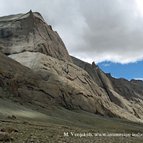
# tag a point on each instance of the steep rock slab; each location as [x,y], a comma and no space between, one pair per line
[46,88]
[21,84]
[74,88]
[125,94]
[132,91]
[29,32]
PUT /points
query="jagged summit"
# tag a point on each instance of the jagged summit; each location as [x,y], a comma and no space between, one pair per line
[29,32]
[21,16]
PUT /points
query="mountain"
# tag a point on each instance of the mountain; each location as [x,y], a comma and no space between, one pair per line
[36,69]
[29,32]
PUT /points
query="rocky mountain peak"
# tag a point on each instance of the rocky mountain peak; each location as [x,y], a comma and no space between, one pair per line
[45,74]
[29,32]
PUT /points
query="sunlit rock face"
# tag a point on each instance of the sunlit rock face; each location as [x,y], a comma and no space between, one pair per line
[46,75]
[29,32]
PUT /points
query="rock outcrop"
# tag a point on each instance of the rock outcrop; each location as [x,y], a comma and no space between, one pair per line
[46,75]
[125,94]
[29,32]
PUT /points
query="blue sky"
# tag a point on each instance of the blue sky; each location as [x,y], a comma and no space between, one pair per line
[128,71]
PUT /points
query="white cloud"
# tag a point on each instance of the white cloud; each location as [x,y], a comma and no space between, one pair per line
[96,30]
[106,65]
[138,79]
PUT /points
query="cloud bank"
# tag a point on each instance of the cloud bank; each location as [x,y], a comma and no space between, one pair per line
[93,30]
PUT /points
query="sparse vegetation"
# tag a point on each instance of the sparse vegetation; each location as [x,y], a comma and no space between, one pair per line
[61,121]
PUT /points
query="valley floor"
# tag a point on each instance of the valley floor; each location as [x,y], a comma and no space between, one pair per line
[64,126]
[36,132]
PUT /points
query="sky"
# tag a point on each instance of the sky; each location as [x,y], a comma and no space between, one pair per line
[109,32]
[128,71]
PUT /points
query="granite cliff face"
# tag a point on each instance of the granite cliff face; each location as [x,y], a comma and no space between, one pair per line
[36,68]
[29,32]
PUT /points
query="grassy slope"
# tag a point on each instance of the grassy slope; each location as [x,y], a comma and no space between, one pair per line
[48,125]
